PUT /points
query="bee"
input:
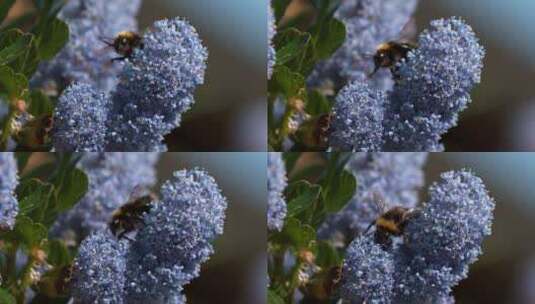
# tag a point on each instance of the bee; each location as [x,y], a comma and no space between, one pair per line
[125,43]
[129,217]
[391,222]
[322,287]
[314,133]
[35,133]
[56,283]
[388,54]
[322,130]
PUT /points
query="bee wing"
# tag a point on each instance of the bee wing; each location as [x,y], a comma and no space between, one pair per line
[409,31]
[379,201]
[136,193]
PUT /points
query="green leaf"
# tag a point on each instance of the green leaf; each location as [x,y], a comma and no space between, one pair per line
[6,297]
[274,298]
[71,189]
[327,256]
[304,195]
[40,104]
[57,253]
[19,51]
[289,83]
[295,49]
[12,45]
[296,235]
[12,84]
[34,198]
[317,104]
[339,189]
[330,37]
[53,37]
[5,5]
[28,232]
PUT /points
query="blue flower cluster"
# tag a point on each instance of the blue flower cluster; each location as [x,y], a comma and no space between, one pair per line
[368,24]
[432,87]
[271,57]
[113,178]
[100,266]
[9,179]
[437,247]
[167,252]
[85,57]
[392,178]
[155,87]
[276,178]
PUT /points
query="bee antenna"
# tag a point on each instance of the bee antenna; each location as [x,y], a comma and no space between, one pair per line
[106,41]
[369,227]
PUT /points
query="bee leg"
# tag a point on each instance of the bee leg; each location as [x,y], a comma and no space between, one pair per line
[118,59]
[123,235]
[375,70]
[384,240]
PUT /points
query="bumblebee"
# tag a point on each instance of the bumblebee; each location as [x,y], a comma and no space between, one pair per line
[129,217]
[125,43]
[322,286]
[56,283]
[35,133]
[391,223]
[314,133]
[322,130]
[388,54]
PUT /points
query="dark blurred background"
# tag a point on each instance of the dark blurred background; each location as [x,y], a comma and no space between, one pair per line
[230,109]
[505,273]
[236,273]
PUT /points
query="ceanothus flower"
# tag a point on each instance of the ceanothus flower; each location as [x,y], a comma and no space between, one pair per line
[85,58]
[271,49]
[367,273]
[437,247]
[276,178]
[80,120]
[446,237]
[176,238]
[9,179]
[357,123]
[98,274]
[112,180]
[368,24]
[432,87]
[155,88]
[393,178]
